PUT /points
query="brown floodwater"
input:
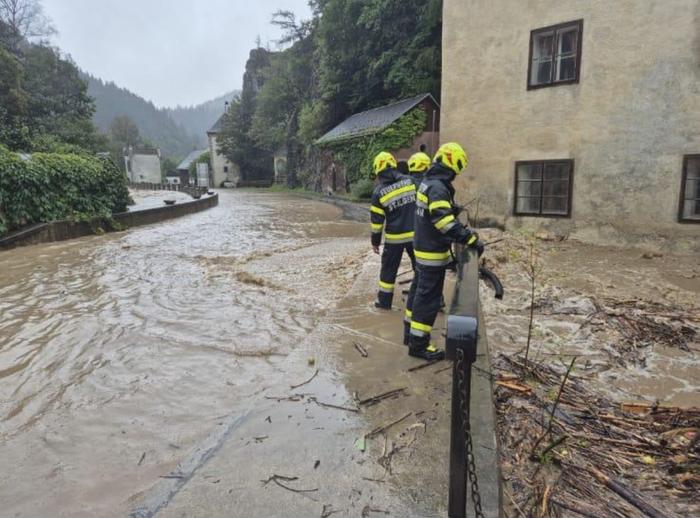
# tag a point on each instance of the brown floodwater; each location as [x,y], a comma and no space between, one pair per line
[124,351]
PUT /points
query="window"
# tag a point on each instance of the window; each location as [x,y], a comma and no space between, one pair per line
[555,55]
[543,188]
[689,210]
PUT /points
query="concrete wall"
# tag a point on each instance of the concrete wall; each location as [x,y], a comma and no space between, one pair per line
[220,163]
[627,124]
[145,168]
[64,230]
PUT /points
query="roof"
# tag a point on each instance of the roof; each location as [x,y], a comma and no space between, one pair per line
[187,162]
[373,121]
[218,125]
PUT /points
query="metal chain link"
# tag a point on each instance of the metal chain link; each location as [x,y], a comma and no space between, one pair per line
[468,445]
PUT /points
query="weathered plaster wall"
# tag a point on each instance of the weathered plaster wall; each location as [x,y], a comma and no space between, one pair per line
[219,162]
[145,168]
[627,123]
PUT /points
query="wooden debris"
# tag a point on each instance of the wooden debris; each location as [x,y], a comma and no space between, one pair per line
[337,407]
[423,365]
[382,429]
[143,457]
[306,382]
[277,478]
[363,352]
[518,387]
[381,397]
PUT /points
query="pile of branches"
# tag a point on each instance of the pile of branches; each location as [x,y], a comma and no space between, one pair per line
[641,324]
[570,451]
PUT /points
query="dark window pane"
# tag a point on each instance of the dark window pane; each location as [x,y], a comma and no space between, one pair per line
[556,188]
[566,68]
[568,40]
[529,172]
[555,205]
[529,188]
[556,171]
[693,168]
[528,205]
[542,50]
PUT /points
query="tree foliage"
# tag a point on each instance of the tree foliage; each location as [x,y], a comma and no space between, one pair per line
[351,56]
[51,187]
[42,96]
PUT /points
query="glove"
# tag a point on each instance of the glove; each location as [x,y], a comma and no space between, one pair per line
[473,241]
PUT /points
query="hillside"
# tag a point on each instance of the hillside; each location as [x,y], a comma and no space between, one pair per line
[154,124]
[198,119]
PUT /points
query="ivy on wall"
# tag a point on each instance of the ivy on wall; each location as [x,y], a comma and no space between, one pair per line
[49,187]
[356,155]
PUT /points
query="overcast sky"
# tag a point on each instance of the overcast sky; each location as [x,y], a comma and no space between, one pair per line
[168,51]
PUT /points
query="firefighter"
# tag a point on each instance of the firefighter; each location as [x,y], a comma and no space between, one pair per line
[436,228]
[418,164]
[393,211]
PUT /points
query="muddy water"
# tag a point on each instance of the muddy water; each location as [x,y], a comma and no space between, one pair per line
[119,353]
[572,278]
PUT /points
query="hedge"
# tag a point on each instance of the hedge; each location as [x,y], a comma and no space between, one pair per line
[49,187]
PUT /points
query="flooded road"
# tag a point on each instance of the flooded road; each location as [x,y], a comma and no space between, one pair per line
[119,353]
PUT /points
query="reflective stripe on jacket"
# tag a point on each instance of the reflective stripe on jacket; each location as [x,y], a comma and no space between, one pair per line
[436,225]
[393,208]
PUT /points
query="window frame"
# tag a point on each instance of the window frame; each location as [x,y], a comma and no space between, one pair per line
[543,163]
[579,52]
[684,181]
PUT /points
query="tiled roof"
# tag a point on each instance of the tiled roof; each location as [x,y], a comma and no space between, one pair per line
[373,121]
[185,164]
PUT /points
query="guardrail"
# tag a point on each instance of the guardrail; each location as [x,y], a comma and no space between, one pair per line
[194,191]
[461,348]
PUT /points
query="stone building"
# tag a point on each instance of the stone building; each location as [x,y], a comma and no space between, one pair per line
[365,124]
[580,116]
[142,164]
[224,173]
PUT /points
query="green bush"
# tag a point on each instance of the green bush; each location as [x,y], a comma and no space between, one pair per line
[362,189]
[50,187]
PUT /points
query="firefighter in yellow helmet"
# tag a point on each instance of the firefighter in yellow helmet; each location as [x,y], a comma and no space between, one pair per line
[392,213]
[436,228]
[418,164]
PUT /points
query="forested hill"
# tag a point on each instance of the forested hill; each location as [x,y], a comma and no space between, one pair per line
[154,124]
[198,119]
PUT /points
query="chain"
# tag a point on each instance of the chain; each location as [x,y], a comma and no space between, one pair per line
[468,446]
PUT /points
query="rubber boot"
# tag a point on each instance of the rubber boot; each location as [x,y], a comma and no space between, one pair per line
[384,300]
[422,348]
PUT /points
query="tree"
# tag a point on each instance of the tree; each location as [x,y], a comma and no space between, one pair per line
[124,131]
[26,21]
[13,102]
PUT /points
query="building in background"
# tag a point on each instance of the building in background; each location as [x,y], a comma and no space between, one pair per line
[581,117]
[224,173]
[183,168]
[373,122]
[142,164]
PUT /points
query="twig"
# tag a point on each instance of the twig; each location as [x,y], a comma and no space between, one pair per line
[384,428]
[423,365]
[380,397]
[377,480]
[625,493]
[143,457]
[576,510]
[306,382]
[330,405]
[328,511]
[276,479]
[517,507]
[554,409]
[363,352]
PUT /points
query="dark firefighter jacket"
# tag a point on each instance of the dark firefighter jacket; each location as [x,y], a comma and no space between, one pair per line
[436,223]
[393,208]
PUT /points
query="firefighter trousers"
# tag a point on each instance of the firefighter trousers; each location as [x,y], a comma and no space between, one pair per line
[391,260]
[423,304]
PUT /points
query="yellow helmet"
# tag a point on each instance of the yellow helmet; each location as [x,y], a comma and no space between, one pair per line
[383,161]
[418,163]
[452,155]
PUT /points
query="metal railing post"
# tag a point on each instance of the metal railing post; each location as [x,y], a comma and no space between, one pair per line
[461,346]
